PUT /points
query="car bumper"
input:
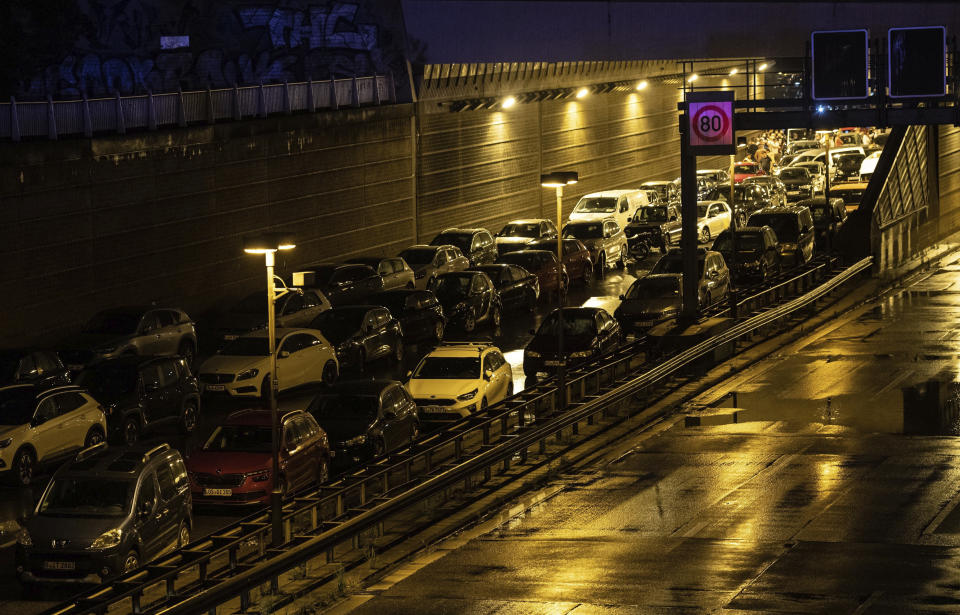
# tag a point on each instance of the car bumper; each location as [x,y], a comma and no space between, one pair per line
[447,414]
[238,496]
[243,388]
[63,566]
[548,364]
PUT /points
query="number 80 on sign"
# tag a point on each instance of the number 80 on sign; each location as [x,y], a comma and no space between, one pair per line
[710,123]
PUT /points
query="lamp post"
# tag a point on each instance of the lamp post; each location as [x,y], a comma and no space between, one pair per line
[268,244]
[557,180]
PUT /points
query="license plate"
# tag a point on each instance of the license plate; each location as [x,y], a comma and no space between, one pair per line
[218,492]
[59,565]
[644,323]
[433,409]
[553,363]
[216,387]
[75,367]
[230,338]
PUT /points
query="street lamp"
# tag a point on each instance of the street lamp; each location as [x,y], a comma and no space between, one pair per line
[268,244]
[557,180]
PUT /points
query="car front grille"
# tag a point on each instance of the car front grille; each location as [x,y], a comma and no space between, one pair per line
[219,480]
[435,402]
[215,378]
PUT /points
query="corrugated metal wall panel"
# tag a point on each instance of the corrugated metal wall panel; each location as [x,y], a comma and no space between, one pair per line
[949,180]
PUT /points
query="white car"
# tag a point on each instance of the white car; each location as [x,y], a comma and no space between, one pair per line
[41,426]
[458,379]
[868,165]
[713,217]
[242,367]
[617,204]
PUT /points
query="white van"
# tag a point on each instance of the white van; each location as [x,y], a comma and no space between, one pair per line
[617,204]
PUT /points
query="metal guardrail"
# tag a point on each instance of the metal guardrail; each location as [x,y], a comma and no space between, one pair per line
[231,563]
[55,118]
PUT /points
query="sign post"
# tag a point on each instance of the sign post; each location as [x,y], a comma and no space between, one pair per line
[708,130]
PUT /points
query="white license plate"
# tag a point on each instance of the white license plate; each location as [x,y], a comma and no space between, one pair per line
[433,409]
[218,492]
[216,387]
[75,367]
[59,565]
[230,337]
[553,363]
[644,323]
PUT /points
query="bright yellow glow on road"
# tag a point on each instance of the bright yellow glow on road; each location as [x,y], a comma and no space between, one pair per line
[762,66]
[508,102]
[693,78]
[582,93]
[642,85]
[734,72]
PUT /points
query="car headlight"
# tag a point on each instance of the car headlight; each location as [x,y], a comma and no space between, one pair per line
[107,540]
[582,354]
[361,439]
[467,396]
[533,354]
[6,443]
[247,374]
[23,538]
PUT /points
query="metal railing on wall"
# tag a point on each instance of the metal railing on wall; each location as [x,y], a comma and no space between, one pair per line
[54,118]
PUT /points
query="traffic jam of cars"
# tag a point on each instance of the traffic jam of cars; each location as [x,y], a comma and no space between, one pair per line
[146,417]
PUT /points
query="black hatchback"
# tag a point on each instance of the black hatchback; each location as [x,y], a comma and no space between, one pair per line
[757,255]
[518,288]
[143,393]
[587,332]
[361,334]
[468,299]
[40,367]
[476,243]
[419,312]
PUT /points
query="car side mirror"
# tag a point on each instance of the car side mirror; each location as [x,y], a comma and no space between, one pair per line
[283,354]
[622,297]
[487,375]
[143,511]
[409,373]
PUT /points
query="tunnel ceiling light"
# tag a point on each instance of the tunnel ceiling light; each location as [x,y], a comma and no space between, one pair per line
[583,93]
[642,85]
[508,102]
[733,71]
[692,78]
[558,179]
[762,66]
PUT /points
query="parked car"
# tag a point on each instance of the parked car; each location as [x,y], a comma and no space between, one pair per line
[616,204]
[517,233]
[776,189]
[341,283]
[458,379]
[587,332]
[794,229]
[235,464]
[713,283]
[361,334]
[846,167]
[148,331]
[850,192]
[748,198]
[469,298]
[605,239]
[418,311]
[242,367]
[798,181]
[818,174]
[659,226]
[42,426]
[142,393]
[42,368]
[714,176]
[668,191]
[430,261]
[365,418]
[650,300]
[106,512]
[295,308]
[743,170]
[713,217]
[757,254]
[517,287]
[828,219]
[576,257]
[544,265]
[868,165]
[801,145]
[475,243]
[393,270]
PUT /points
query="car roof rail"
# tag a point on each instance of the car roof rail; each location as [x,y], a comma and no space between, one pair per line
[90,451]
[156,450]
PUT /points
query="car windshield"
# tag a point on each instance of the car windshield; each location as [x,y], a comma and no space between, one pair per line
[596,205]
[654,288]
[418,256]
[109,381]
[794,174]
[848,162]
[651,214]
[240,439]
[16,406]
[746,241]
[338,324]
[674,264]
[246,347]
[449,368]
[114,323]
[346,407]
[525,229]
[87,496]
[531,261]
[785,226]
[662,189]
[572,325]
[448,287]
[461,240]
[593,230]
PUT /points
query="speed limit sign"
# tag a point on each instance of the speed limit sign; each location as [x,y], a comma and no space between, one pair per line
[710,123]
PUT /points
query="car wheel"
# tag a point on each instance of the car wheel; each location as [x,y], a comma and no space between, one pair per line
[323,473]
[705,235]
[94,437]
[131,430]
[587,277]
[131,561]
[190,418]
[329,373]
[23,464]
[438,331]
[183,535]
[469,322]
[622,261]
[187,351]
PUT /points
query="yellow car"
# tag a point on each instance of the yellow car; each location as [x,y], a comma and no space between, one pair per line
[458,379]
[41,426]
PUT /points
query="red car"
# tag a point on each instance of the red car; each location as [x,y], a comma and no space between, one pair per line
[576,257]
[743,170]
[541,263]
[236,463]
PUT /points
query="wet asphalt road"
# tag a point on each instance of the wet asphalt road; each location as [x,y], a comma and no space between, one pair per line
[805,508]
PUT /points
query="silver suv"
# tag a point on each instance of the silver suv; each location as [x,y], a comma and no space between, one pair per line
[605,240]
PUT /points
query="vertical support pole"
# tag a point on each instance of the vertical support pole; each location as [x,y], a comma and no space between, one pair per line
[688,216]
[87,121]
[562,369]
[151,111]
[14,120]
[181,110]
[51,120]
[276,494]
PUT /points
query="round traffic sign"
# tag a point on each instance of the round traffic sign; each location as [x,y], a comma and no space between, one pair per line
[710,123]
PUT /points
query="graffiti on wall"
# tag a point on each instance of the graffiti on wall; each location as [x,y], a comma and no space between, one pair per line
[229,42]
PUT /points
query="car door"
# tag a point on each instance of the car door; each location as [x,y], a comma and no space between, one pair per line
[289,310]
[148,523]
[391,425]
[511,291]
[49,431]
[311,307]
[147,340]
[169,332]
[291,446]
[168,507]
[290,362]
[154,397]
[386,270]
